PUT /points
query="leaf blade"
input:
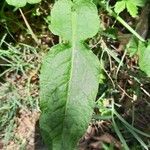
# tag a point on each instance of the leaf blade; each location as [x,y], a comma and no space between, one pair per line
[132,8]
[119,6]
[71,114]
[144,58]
[87,19]
[16,3]
[21,3]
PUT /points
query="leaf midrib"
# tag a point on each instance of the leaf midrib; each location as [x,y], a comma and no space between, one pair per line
[73,52]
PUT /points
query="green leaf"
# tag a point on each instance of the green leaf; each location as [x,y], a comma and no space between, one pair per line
[65,13]
[33,1]
[144,60]
[16,3]
[69,75]
[21,3]
[140,3]
[69,83]
[132,8]
[120,6]
[132,46]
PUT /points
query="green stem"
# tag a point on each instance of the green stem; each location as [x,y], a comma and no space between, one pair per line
[118,18]
[2,8]
[29,28]
[125,146]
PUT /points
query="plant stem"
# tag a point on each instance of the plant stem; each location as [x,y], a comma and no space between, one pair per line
[122,22]
[29,28]
[125,146]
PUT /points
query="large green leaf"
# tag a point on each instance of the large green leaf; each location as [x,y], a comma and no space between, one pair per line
[69,76]
[21,3]
[65,12]
[69,83]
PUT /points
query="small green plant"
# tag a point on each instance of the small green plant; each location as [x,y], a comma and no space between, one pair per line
[137,44]
[130,5]
[142,49]
[69,76]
